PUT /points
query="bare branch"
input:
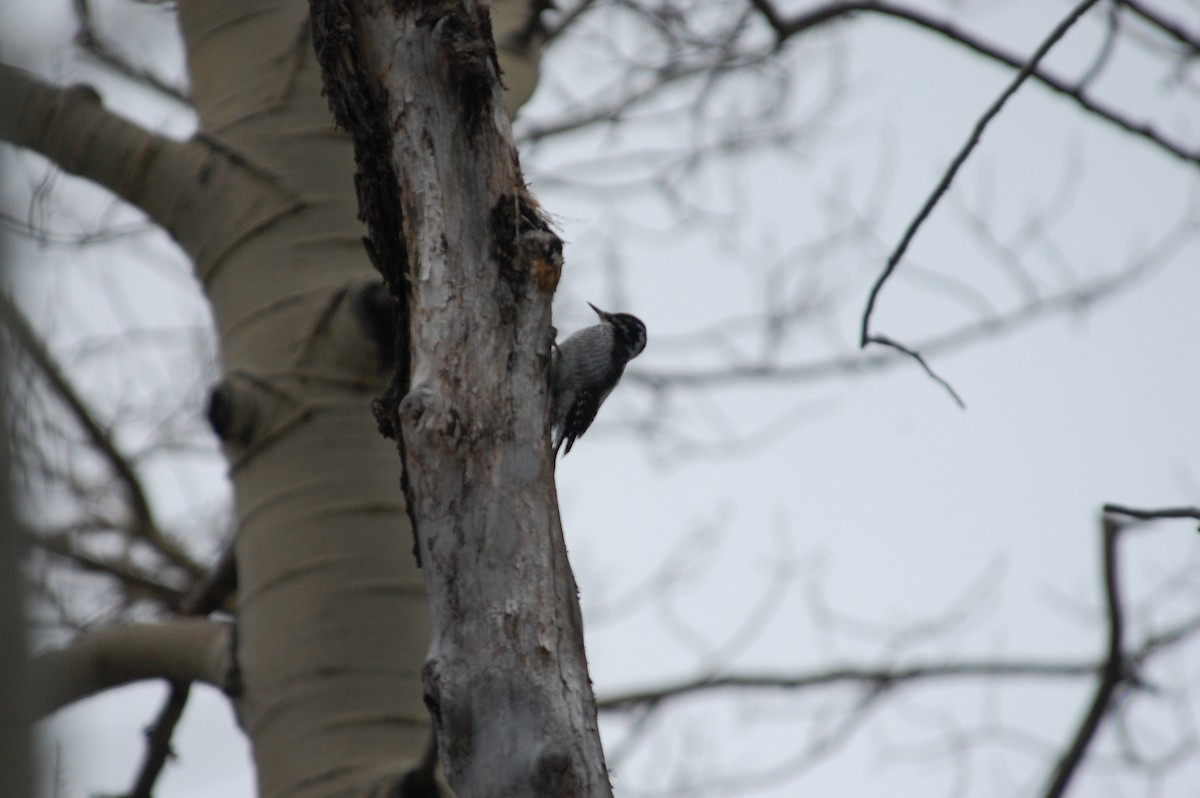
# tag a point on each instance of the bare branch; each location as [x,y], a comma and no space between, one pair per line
[1075,300]
[872,684]
[948,177]
[208,594]
[130,576]
[830,12]
[915,355]
[860,364]
[716,58]
[1164,24]
[1111,29]
[1148,515]
[187,650]
[89,39]
[48,119]
[158,740]
[145,526]
[46,237]
[1112,669]
[1113,673]
[883,678]
[184,187]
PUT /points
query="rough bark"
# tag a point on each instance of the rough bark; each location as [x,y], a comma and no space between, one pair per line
[474,266]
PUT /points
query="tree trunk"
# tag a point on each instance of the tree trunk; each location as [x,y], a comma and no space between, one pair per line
[473,266]
[331,616]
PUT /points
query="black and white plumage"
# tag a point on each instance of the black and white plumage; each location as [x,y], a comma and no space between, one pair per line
[586,367]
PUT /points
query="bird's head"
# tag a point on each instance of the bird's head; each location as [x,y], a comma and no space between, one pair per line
[630,330]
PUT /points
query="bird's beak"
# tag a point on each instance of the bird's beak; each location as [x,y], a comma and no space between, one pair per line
[603,316]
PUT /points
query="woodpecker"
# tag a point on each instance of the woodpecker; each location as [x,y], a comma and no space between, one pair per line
[586,367]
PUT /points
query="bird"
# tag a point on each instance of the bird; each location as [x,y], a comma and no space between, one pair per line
[586,367]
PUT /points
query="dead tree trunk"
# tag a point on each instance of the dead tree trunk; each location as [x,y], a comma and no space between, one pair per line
[472,267]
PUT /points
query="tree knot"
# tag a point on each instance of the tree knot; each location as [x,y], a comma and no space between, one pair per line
[552,773]
[428,413]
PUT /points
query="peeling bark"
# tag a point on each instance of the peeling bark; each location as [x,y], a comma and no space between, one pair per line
[474,265]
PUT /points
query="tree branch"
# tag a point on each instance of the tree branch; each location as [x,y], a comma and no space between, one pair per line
[884,340]
[786,28]
[158,740]
[195,190]
[884,678]
[1164,24]
[89,39]
[208,594]
[145,526]
[71,127]
[948,177]
[858,364]
[187,650]
[1150,515]
[1112,674]
[127,574]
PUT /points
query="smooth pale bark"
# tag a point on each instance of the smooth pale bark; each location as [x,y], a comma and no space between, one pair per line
[519,47]
[196,192]
[192,650]
[475,267]
[331,619]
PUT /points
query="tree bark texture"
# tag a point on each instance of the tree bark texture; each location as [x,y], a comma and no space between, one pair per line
[473,267]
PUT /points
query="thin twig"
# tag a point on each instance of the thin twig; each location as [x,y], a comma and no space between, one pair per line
[915,355]
[158,741]
[130,576]
[144,524]
[948,177]
[1076,300]
[892,677]
[211,591]
[1170,27]
[1112,28]
[786,28]
[207,594]
[88,38]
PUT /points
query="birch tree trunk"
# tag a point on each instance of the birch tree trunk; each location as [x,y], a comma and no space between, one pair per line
[331,618]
